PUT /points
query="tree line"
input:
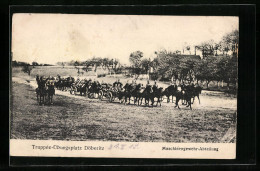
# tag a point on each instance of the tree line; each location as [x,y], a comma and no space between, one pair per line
[215,63]
[175,66]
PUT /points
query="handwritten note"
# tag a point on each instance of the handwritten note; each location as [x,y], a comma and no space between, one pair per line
[122,146]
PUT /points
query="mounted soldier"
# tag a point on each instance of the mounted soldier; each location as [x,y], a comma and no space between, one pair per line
[38,80]
[50,89]
[148,83]
[41,90]
[42,82]
[126,85]
[155,86]
[119,84]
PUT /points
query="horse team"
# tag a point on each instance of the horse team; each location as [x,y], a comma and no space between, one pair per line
[149,94]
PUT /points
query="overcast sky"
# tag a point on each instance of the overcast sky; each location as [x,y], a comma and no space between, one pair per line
[51,38]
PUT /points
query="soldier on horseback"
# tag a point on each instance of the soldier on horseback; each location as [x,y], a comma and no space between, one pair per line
[42,82]
[126,85]
[117,85]
[148,83]
[155,87]
[41,90]
[38,80]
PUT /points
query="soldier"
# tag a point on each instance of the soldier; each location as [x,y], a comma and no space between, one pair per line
[51,77]
[38,80]
[148,83]
[42,82]
[94,83]
[115,84]
[126,85]
[155,86]
[119,84]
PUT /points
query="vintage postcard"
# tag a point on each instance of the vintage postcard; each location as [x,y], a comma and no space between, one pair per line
[128,86]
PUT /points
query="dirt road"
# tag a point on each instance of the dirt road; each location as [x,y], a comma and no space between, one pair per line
[208,99]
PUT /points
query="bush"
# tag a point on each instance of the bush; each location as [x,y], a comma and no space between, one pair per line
[101,75]
[165,79]
[153,76]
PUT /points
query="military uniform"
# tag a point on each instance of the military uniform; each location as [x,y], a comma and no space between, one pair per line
[38,80]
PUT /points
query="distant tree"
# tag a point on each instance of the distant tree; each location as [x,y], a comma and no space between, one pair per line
[145,64]
[87,64]
[224,47]
[35,64]
[135,60]
[155,64]
[115,65]
[230,42]
[14,63]
[208,70]
[178,52]
[168,65]
[76,63]
[227,70]
[27,69]
[216,48]
[207,48]
[105,63]
[94,62]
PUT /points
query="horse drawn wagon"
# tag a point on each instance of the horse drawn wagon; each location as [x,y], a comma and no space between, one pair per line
[80,87]
[111,92]
[106,92]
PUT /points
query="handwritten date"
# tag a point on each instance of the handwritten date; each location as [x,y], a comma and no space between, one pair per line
[120,146]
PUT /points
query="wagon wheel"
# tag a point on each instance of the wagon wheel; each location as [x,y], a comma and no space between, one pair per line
[100,95]
[90,95]
[87,92]
[110,97]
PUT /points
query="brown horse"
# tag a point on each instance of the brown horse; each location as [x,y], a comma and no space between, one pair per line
[50,92]
[183,95]
[41,95]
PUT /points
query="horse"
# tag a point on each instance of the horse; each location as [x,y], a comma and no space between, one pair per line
[140,95]
[128,92]
[50,92]
[59,84]
[136,93]
[94,88]
[148,95]
[196,93]
[169,91]
[83,88]
[158,93]
[183,95]
[41,91]
[67,83]
[116,92]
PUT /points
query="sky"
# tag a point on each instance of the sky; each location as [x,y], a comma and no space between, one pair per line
[52,38]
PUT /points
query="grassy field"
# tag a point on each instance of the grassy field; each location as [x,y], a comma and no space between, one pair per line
[79,118]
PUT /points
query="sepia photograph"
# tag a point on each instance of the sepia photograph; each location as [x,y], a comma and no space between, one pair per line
[147,86]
